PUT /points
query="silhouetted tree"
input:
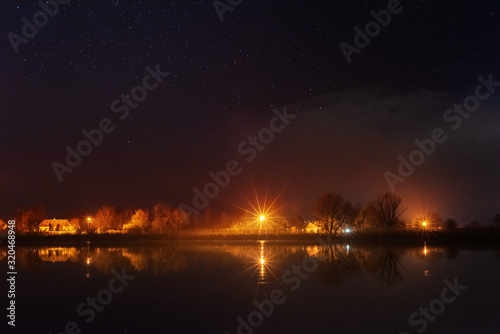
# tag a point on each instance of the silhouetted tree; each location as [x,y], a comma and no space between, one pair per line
[388,209]
[496,220]
[329,212]
[473,224]
[367,218]
[349,214]
[450,224]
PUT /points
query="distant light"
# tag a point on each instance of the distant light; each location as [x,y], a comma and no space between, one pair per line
[424,223]
[262,218]
[262,260]
[347,230]
[88,218]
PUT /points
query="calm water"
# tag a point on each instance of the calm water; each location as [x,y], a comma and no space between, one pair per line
[188,287]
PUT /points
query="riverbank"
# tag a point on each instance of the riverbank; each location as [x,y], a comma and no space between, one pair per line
[480,237]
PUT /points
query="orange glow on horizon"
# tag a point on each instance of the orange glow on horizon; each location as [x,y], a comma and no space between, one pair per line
[263,214]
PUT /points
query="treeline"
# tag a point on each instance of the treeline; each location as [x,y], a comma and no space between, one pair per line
[332,213]
[161,218]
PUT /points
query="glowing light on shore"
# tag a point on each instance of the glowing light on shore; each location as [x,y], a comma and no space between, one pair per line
[262,214]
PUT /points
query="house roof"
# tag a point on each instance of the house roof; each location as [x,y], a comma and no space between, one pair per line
[47,222]
[311,225]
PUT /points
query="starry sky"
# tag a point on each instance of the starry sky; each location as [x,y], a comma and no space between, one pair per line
[352,120]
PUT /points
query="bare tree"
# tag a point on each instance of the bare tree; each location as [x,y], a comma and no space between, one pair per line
[124,217]
[178,218]
[329,212]
[160,217]
[388,209]
[349,214]
[367,218]
[167,218]
[31,218]
[105,219]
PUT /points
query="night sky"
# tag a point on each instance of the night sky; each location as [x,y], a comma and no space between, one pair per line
[348,123]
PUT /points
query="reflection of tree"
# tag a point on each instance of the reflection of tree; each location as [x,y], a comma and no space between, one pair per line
[160,260]
[337,263]
[138,260]
[388,209]
[27,260]
[105,260]
[390,264]
[340,261]
[167,260]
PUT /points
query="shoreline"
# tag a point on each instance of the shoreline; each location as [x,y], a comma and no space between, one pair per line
[483,237]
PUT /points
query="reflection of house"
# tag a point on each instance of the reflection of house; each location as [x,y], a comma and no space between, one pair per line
[56,254]
[312,228]
[56,226]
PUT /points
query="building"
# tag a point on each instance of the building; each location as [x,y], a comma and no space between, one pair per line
[313,228]
[56,226]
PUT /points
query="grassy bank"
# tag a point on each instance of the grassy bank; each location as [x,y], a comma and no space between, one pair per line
[486,237]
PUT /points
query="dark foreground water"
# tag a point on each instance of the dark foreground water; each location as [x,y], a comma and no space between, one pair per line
[255,287]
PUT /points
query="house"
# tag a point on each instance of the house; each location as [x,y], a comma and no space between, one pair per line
[56,226]
[312,228]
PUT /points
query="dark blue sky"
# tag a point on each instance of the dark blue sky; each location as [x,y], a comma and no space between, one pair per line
[353,120]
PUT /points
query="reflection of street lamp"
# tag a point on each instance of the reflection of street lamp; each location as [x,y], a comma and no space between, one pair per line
[89,257]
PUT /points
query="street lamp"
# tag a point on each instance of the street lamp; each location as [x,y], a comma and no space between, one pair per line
[88,223]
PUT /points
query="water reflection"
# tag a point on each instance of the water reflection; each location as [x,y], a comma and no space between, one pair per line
[390,272]
[265,260]
[89,259]
[56,254]
[214,282]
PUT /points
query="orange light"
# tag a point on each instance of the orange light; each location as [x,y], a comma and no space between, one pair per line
[262,218]
[424,223]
